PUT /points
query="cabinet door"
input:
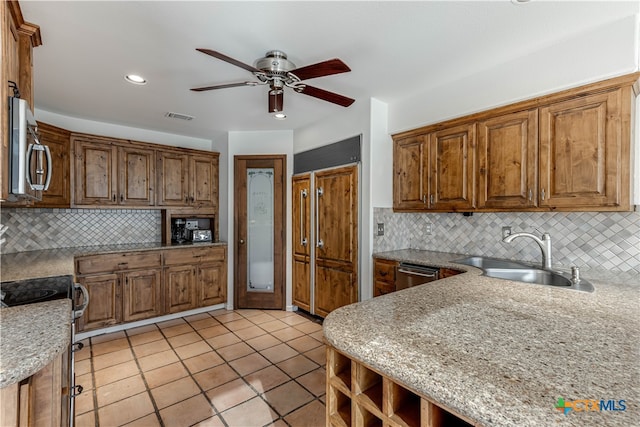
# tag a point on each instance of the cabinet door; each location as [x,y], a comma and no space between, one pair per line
[452,177]
[173,185]
[180,288]
[105,306]
[581,152]
[336,257]
[95,172]
[211,283]
[410,168]
[301,208]
[137,173]
[59,142]
[508,161]
[203,181]
[142,296]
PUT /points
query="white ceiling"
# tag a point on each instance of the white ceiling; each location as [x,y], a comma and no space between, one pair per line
[393,49]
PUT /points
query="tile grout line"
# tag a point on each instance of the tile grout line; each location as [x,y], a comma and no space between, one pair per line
[218,413]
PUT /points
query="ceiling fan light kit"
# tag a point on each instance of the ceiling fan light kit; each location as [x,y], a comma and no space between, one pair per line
[277,71]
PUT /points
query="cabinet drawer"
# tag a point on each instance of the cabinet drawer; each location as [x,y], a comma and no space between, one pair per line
[116,262]
[385,271]
[192,255]
[382,288]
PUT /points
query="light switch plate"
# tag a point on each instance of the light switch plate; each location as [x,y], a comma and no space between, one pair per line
[381,229]
[428,229]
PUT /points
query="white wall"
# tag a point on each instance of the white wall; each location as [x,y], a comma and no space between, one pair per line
[598,54]
[222,147]
[244,143]
[125,132]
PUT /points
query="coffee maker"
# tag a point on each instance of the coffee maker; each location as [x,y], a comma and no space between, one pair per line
[178,230]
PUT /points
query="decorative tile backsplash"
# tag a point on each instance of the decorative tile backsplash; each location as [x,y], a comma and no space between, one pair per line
[587,239]
[35,229]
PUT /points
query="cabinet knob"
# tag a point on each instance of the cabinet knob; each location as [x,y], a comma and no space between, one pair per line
[242,241]
[542,194]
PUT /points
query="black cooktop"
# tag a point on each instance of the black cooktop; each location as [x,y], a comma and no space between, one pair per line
[31,291]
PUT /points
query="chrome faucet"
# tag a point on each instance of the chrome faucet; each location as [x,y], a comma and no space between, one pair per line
[544,243]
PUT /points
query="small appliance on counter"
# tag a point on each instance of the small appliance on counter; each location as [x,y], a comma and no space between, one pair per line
[191,230]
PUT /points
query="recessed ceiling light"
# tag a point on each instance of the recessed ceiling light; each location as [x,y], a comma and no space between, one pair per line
[135,79]
[279,116]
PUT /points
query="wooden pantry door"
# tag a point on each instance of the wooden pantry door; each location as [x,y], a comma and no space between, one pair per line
[259,231]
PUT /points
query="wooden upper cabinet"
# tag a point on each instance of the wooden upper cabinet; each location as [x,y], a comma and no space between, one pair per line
[187,180]
[452,177]
[137,174]
[96,172]
[508,160]
[59,142]
[568,151]
[203,181]
[582,159]
[173,187]
[410,172]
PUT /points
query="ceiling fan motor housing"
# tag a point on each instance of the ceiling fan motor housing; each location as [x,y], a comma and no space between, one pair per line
[276,62]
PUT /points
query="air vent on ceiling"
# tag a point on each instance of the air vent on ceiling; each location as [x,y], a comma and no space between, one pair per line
[179,116]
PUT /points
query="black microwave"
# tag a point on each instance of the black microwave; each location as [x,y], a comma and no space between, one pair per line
[30,165]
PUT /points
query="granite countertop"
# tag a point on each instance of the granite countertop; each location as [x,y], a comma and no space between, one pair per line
[59,262]
[32,336]
[500,352]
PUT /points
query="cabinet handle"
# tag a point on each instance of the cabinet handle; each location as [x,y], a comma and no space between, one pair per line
[122,198]
[530,195]
[542,194]
[319,192]
[79,388]
[114,198]
[303,195]
[186,199]
[431,199]
[424,198]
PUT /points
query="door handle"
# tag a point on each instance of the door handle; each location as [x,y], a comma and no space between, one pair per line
[303,195]
[242,241]
[319,192]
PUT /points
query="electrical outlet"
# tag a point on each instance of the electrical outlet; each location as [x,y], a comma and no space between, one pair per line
[428,228]
[506,232]
[381,229]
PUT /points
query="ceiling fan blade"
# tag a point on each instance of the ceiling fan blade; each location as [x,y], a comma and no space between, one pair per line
[325,95]
[202,89]
[276,101]
[228,59]
[326,68]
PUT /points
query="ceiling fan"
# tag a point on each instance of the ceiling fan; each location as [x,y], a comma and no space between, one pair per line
[277,71]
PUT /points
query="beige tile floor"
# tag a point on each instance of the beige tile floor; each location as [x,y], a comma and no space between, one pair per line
[239,368]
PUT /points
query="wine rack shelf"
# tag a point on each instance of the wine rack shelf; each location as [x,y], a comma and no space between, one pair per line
[359,396]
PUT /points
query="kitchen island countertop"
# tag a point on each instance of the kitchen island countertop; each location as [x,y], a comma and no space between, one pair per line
[32,336]
[499,352]
[59,262]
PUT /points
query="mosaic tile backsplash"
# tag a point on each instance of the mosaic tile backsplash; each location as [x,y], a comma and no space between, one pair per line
[35,229]
[587,239]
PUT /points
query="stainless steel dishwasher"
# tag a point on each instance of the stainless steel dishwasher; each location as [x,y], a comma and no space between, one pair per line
[408,275]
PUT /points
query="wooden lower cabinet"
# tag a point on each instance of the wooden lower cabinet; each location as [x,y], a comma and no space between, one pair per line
[211,284]
[104,307]
[384,276]
[131,286]
[359,396]
[40,400]
[142,295]
[180,284]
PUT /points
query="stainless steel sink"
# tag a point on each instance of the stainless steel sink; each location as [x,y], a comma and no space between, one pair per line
[521,272]
[484,263]
[529,275]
